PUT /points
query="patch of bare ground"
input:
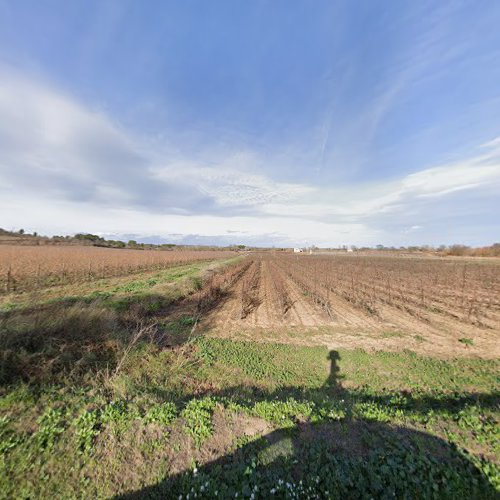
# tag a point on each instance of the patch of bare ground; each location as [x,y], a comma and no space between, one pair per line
[440,334]
[228,427]
[127,458]
[436,346]
[303,311]
[344,314]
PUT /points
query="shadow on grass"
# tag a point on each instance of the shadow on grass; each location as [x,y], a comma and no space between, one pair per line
[82,336]
[349,457]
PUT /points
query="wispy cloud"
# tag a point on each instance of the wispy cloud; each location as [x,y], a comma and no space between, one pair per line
[361,201]
[54,146]
[67,167]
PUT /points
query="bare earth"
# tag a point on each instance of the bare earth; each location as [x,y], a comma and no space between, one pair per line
[306,323]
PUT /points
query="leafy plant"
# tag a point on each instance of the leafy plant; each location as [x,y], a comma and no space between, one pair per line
[87,427]
[283,413]
[115,411]
[198,417]
[163,414]
[466,341]
[50,427]
[8,438]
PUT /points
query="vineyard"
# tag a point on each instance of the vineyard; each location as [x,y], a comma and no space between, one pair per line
[27,268]
[200,374]
[439,306]
[439,300]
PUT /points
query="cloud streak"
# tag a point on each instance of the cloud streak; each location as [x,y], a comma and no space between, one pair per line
[67,167]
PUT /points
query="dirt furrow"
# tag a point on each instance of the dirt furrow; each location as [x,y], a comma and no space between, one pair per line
[268,313]
[303,311]
[277,308]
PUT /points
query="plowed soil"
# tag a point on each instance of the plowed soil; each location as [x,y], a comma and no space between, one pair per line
[305,322]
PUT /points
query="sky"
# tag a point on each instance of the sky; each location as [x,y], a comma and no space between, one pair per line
[271,123]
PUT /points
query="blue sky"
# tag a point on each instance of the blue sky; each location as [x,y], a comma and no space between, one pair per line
[263,122]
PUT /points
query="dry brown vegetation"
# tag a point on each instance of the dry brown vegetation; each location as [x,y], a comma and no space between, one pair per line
[24,268]
[436,305]
[250,289]
[466,291]
[79,336]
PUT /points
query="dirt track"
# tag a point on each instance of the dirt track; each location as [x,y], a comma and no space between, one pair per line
[305,322]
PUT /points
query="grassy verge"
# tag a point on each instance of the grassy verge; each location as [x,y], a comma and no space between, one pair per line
[174,282]
[256,417]
[78,336]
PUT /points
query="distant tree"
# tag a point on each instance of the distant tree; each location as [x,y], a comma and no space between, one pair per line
[88,237]
[35,233]
[457,250]
[21,231]
[132,243]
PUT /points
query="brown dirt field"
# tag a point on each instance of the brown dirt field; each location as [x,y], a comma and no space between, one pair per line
[306,323]
[267,314]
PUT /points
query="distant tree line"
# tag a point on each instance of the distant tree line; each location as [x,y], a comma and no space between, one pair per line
[22,237]
[453,250]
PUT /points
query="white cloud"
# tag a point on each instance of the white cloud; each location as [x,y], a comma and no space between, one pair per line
[412,229]
[359,202]
[53,146]
[230,185]
[65,168]
[66,217]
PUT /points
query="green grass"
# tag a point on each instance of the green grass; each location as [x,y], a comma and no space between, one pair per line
[172,282]
[268,365]
[80,336]
[295,390]
[466,341]
[197,415]
[408,370]
[208,415]
[392,334]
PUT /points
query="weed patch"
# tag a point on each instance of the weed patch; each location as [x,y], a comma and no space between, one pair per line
[198,417]
[87,428]
[466,341]
[275,364]
[50,427]
[163,414]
